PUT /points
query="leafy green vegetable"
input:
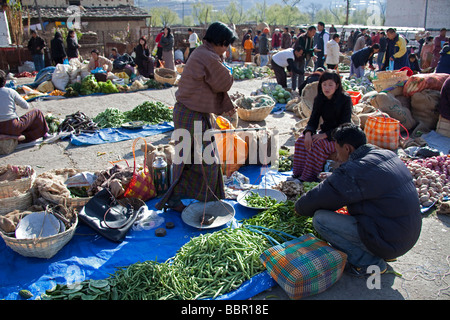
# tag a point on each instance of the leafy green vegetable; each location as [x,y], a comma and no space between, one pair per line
[110,118]
[148,112]
[89,85]
[107,87]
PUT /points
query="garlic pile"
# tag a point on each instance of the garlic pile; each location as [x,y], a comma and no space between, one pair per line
[430,185]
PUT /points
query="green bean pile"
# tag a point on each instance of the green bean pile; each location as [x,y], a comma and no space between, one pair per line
[207,266]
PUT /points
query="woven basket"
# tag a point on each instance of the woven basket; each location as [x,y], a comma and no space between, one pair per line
[42,247]
[7,146]
[10,188]
[163,75]
[254,114]
[68,202]
[20,202]
[180,68]
[388,79]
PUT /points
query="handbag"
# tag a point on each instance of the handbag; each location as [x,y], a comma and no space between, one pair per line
[302,266]
[383,131]
[141,185]
[109,217]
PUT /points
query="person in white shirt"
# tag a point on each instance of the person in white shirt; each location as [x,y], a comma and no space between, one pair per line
[193,40]
[27,128]
[332,59]
[292,59]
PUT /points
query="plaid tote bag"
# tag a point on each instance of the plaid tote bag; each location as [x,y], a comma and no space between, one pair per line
[141,185]
[304,266]
[383,132]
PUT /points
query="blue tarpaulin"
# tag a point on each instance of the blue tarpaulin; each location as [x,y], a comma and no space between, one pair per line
[110,135]
[90,256]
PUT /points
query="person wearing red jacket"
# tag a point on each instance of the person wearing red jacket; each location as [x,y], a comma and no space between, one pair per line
[276,39]
[159,47]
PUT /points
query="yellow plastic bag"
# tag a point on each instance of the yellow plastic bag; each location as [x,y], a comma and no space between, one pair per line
[232,150]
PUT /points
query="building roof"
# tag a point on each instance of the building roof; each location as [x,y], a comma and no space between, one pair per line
[119,12]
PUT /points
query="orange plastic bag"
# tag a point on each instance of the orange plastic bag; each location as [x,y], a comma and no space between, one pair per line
[383,131]
[141,185]
[232,150]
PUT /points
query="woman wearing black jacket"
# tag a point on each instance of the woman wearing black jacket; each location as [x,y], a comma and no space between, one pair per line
[72,45]
[312,148]
[143,59]
[57,49]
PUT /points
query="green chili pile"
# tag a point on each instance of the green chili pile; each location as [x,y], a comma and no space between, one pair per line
[282,217]
[255,200]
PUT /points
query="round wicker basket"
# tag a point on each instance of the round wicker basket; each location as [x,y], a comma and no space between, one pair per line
[7,146]
[10,188]
[163,75]
[254,114]
[45,247]
[18,202]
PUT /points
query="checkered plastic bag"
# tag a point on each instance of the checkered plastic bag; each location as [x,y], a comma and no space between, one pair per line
[383,132]
[141,185]
[304,266]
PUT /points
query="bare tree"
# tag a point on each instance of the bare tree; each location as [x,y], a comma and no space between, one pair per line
[292,3]
[312,10]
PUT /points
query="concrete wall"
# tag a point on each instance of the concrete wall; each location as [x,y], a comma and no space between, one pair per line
[430,14]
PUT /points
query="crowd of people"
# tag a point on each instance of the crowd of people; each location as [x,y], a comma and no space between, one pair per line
[382,50]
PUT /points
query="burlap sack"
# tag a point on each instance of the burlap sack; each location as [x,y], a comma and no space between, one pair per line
[424,107]
[309,93]
[405,101]
[443,127]
[166,151]
[387,103]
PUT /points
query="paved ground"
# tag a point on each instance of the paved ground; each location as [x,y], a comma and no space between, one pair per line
[425,269]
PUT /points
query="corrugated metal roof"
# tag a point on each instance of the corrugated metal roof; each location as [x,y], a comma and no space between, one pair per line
[88,12]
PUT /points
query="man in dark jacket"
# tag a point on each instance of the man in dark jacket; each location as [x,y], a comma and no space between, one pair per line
[444,62]
[36,46]
[264,47]
[360,59]
[384,220]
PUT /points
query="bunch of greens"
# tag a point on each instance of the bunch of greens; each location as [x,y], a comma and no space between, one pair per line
[107,87]
[89,85]
[73,90]
[150,112]
[147,112]
[110,118]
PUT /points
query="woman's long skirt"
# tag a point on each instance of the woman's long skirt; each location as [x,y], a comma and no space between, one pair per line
[168,58]
[308,164]
[200,181]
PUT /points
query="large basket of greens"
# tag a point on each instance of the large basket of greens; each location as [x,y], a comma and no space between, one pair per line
[254,108]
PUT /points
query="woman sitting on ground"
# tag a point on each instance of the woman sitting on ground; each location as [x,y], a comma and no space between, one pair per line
[27,128]
[312,148]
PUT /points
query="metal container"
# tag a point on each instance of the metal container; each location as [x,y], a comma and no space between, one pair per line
[160,176]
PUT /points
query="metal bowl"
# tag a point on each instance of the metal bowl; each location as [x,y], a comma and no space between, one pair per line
[276,194]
